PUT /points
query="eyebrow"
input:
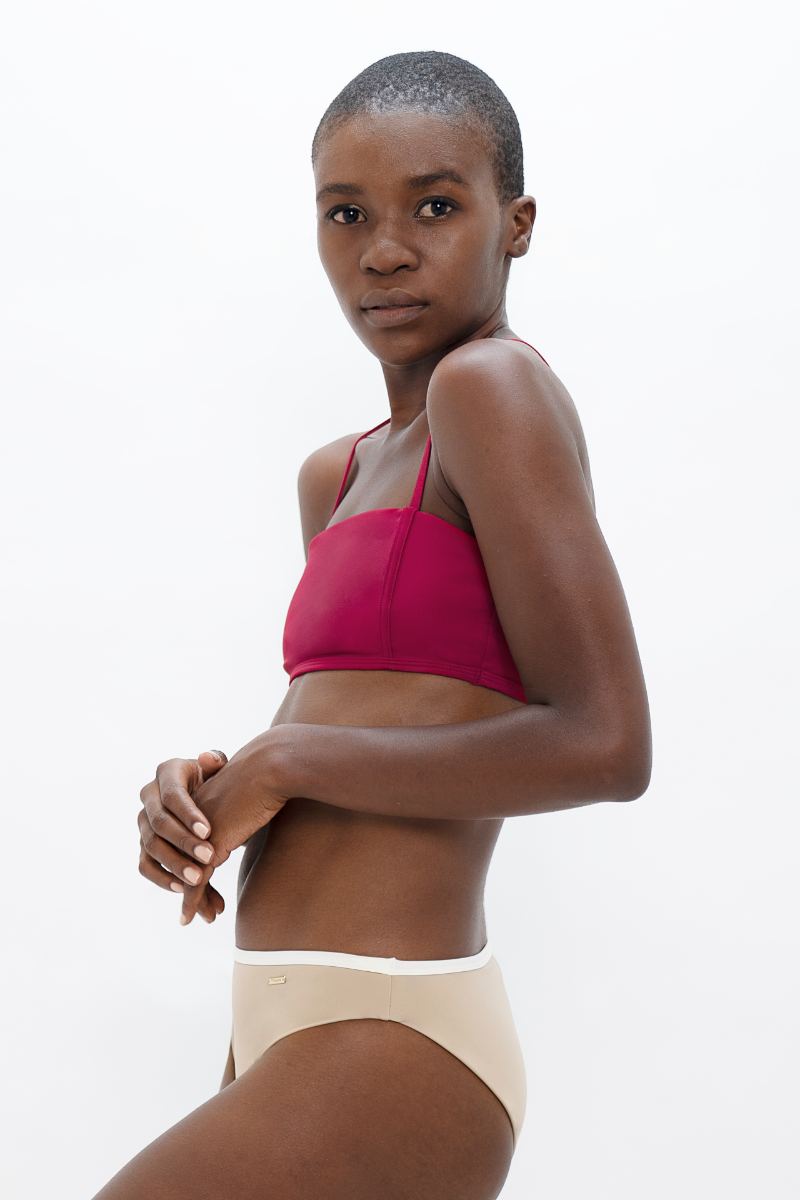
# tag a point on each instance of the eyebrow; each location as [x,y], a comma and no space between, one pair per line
[424,181]
[415,182]
[340,189]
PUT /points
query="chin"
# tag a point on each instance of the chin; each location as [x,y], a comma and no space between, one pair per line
[403,347]
[404,356]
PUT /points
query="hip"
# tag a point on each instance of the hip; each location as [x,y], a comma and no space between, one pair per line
[459,1003]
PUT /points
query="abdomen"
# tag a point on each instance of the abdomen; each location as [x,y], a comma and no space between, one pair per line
[328,878]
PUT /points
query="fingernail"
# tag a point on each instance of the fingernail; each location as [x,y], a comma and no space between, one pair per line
[216,754]
[204,853]
[192,874]
[206,919]
[184,920]
[177,887]
[200,829]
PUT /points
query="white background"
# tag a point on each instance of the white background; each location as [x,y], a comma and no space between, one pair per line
[171,352]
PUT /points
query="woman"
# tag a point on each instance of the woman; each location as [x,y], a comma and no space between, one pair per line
[460,652]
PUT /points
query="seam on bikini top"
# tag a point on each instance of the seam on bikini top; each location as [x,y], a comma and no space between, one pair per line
[398,548]
[390,576]
[489,624]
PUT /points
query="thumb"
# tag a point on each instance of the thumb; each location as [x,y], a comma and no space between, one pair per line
[210,762]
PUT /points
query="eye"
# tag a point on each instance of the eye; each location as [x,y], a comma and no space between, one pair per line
[348,215]
[434,208]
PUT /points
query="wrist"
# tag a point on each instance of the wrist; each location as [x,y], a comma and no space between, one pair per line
[284,752]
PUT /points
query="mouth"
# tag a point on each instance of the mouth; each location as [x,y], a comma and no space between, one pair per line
[385,309]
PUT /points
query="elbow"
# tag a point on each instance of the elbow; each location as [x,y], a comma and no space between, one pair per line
[626,768]
[632,784]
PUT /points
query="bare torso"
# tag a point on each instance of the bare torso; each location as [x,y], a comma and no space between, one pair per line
[326,878]
[323,877]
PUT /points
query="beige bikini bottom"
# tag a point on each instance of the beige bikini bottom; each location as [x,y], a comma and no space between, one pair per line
[460,1003]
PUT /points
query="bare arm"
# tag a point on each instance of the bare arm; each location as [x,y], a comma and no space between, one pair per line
[509,449]
[584,735]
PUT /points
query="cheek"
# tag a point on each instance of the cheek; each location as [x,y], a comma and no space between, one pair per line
[336,258]
[471,266]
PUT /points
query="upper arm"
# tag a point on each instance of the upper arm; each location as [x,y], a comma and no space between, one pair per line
[509,444]
[318,484]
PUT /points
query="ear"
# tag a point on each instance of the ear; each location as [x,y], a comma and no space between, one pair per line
[521,215]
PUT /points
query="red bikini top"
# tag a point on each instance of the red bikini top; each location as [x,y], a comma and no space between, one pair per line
[396,589]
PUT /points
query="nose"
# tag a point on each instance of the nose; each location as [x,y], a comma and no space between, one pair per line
[387,250]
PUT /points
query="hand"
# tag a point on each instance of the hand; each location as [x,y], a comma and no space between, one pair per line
[236,802]
[174,832]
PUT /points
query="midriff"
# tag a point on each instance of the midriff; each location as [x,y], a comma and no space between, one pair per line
[328,878]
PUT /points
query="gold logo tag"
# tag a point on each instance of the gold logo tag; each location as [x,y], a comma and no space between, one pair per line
[276,979]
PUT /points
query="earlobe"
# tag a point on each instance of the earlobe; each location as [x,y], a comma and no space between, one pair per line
[523,215]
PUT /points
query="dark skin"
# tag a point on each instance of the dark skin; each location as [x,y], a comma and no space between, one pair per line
[385,792]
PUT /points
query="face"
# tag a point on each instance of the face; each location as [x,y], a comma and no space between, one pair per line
[412,234]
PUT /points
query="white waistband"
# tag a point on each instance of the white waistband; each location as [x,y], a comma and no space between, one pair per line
[361,962]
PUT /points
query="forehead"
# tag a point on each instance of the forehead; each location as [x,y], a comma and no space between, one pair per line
[400,145]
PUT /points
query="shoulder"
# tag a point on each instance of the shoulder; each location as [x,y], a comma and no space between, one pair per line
[328,463]
[499,397]
[494,375]
[319,481]
[487,354]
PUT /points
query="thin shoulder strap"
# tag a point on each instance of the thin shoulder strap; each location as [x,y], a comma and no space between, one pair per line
[352,456]
[416,499]
[530,347]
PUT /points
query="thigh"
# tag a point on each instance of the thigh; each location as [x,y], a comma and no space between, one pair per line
[359,1110]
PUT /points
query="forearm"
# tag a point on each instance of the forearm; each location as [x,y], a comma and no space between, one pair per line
[526,761]
[531,760]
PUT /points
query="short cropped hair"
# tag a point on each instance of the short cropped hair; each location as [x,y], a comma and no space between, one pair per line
[431,81]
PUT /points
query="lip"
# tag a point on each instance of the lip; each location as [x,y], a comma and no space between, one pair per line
[385,309]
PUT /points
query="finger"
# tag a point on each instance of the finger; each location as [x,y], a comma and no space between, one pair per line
[211,905]
[153,802]
[152,871]
[206,909]
[217,901]
[176,778]
[158,825]
[172,860]
[210,762]
[165,826]
[192,899]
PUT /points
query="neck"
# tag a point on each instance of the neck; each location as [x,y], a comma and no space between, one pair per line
[407,384]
